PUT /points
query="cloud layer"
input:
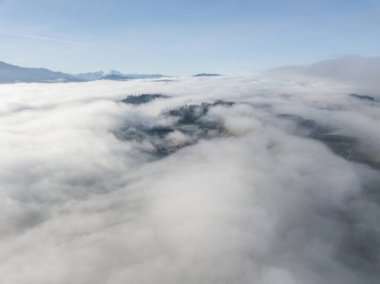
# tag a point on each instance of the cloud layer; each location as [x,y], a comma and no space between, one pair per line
[260,181]
[361,73]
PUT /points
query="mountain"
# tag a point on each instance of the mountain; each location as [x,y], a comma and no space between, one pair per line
[206,75]
[144,76]
[14,74]
[115,75]
[90,76]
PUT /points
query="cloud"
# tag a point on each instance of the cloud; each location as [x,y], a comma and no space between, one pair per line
[360,72]
[261,181]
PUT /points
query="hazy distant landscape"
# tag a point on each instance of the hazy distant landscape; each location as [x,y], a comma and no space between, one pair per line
[15,74]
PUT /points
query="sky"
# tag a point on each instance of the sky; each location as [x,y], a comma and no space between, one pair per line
[185,37]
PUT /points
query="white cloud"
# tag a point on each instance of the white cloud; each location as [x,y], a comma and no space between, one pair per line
[361,73]
[256,199]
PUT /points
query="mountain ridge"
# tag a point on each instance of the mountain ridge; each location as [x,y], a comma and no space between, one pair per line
[10,73]
[13,74]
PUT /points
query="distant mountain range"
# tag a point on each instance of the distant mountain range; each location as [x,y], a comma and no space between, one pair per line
[115,75]
[206,75]
[15,74]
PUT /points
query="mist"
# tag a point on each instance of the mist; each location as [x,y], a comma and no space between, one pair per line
[191,180]
[360,73]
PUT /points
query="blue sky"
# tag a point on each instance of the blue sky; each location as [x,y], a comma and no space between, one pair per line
[185,37]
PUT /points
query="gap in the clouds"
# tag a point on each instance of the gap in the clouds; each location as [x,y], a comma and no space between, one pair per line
[187,125]
[177,128]
[143,98]
[341,142]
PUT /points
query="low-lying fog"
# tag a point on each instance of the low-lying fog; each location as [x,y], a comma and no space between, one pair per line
[193,180]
